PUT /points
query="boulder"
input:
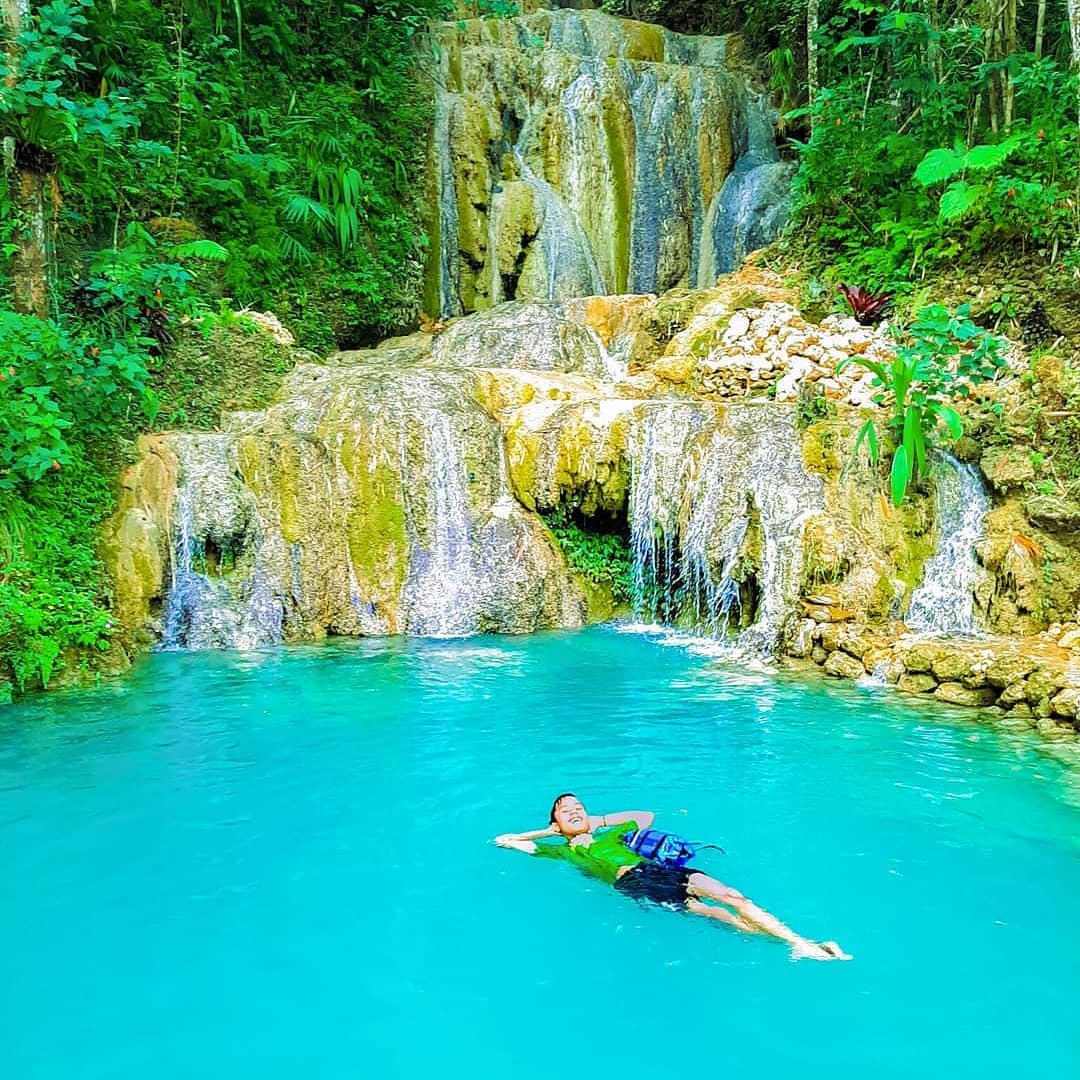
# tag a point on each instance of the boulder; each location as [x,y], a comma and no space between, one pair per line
[1055,730]
[957,694]
[843,666]
[1014,694]
[951,667]
[1044,682]
[916,683]
[883,663]
[1053,513]
[1066,702]
[1021,710]
[1007,468]
[920,658]
[1010,668]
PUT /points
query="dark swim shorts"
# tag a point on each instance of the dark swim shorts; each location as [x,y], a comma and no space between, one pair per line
[660,884]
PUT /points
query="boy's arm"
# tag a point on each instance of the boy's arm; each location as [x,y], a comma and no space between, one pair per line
[524,841]
[644,819]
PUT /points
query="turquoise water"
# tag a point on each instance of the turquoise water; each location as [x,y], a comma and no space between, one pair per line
[278,865]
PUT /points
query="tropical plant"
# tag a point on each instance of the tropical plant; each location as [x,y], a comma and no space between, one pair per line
[938,361]
[868,307]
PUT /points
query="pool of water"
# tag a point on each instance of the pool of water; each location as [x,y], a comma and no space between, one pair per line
[279,864]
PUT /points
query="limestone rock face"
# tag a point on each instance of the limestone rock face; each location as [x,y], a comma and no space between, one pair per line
[372,498]
[136,542]
[575,153]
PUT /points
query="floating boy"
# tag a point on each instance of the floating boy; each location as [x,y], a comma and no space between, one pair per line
[610,855]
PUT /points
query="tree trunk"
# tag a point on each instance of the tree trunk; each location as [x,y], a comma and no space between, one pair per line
[31,176]
[811,50]
[1040,23]
[1074,39]
[1009,41]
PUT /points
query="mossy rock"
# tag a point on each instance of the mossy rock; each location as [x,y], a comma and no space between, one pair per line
[230,365]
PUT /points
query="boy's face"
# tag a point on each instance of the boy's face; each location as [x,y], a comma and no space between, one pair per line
[571,817]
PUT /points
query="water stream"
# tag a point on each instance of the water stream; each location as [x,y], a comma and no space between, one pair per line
[945,601]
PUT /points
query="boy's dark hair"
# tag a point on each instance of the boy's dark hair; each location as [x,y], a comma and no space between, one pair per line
[555,804]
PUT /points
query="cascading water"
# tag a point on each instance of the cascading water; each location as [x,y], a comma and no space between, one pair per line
[717,509]
[440,596]
[743,537]
[575,153]
[219,596]
[751,208]
[568,260]
[945,601]
[660,476]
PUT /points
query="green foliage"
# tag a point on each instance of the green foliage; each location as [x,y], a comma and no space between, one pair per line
[50,581]
[910,161]
[600,557]
[290,136]
[43,103]
[939,359]
[54,381]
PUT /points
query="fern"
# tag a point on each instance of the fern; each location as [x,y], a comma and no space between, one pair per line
[199,249]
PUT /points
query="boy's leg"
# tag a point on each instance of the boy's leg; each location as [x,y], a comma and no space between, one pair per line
[710,911]
[701,885]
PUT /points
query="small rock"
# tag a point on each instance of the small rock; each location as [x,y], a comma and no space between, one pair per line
[1070,639]
[1022,710]
[1042,708]
[819,655]
[916,683]
[737,327]
[1006,467]
[843,666]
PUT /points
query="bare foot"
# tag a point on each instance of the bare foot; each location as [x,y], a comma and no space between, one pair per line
[811,950]
[835,951]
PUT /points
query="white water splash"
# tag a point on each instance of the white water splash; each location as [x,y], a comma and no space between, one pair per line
[945,601]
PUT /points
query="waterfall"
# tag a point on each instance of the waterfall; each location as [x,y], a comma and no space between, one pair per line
[717,509]
[220,598]
[945,602]
[569,264]
[597,155]
[751,208]
[440,596]
[660,477]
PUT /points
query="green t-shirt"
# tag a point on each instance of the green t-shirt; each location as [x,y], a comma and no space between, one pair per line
[603,858]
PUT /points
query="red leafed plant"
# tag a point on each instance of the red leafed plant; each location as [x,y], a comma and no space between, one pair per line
[866,306]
